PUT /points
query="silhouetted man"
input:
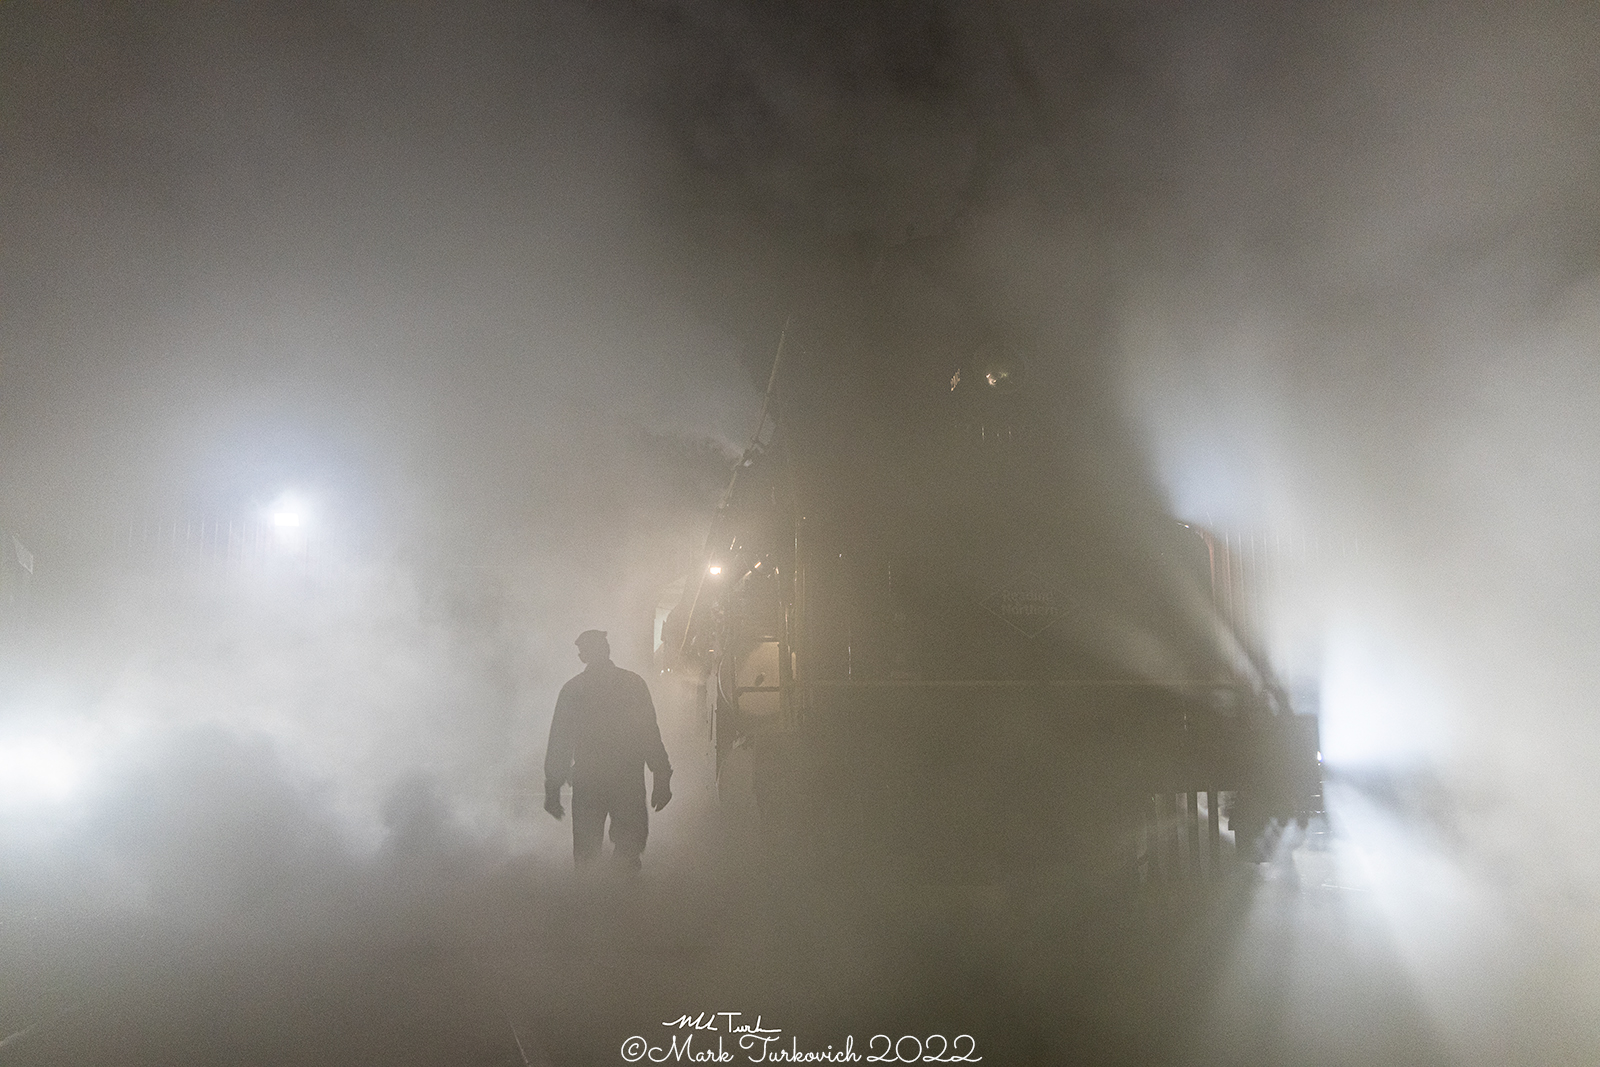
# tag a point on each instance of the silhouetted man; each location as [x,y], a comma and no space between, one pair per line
[603,735]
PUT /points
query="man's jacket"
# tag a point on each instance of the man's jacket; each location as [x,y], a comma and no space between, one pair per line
[604,730]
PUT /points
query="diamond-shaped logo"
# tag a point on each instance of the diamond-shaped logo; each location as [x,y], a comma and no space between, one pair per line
[1028,604]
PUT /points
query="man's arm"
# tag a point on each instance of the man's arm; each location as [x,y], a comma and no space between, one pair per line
[558,752]
[655,753]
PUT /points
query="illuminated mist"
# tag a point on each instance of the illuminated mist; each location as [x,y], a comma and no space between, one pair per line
[1372,348]
[453,322]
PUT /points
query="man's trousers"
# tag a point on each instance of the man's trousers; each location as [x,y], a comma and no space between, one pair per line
[624,803]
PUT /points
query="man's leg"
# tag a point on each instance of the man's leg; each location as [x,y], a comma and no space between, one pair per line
[588,825]
[630,822]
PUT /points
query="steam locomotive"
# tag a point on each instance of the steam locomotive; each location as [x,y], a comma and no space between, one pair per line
[938,643]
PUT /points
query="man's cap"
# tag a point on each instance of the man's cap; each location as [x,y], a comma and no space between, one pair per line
[590,638]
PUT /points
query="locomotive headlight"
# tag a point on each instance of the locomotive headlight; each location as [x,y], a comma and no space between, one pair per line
[714,570]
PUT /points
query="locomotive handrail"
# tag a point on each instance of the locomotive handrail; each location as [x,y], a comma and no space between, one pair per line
[727,494]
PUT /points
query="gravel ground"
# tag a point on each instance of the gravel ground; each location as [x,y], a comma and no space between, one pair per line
[1278,964]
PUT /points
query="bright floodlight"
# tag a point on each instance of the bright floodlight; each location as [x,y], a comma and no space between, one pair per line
[715,569]
[38,769]
[288,513]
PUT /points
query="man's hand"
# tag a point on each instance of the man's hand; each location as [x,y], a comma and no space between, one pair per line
[552,801]
[662,792]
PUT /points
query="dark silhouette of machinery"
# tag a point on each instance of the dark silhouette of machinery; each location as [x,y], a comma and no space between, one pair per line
[943,611]
[941,644]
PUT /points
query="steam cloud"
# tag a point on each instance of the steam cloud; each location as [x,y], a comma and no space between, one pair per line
[497,287]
